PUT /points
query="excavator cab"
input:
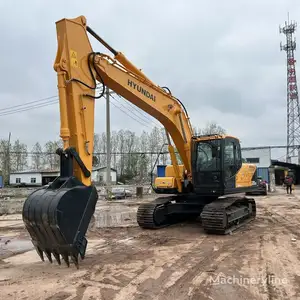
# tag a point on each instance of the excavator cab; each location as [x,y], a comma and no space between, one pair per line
[216,160]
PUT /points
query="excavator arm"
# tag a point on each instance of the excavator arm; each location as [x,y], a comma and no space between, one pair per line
[57,217]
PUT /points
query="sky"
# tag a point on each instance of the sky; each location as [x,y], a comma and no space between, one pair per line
[222,59]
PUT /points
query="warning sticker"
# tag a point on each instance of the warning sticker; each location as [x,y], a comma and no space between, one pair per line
[74,61]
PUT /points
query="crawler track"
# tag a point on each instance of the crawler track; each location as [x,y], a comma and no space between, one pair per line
[166,211]
[218,217]
[226,215]
[154,215]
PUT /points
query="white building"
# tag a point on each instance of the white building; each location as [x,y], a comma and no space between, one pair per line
[99,175]
[39,178]
[260,157]
[32,177]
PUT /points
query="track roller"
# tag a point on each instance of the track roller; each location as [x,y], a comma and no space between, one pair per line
[153,215]
[166,211]
[223,216]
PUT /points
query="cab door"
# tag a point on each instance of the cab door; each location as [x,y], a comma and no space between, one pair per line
[207,171]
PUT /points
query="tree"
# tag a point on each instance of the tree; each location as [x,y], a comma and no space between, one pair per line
[211,128]
[143,163]
[164,140]
[121,146]
[37,156]
[114,148]
[19,156]
[103,142]
[155,143]
[51,159]
[5,161]
[96,162]
[130,145]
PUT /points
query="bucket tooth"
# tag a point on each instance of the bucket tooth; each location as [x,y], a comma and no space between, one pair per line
[57,257]
[74,258]
[57,218]
[48,254]
[66,259]
[40,253]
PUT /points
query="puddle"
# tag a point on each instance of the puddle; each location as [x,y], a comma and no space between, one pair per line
[11,246]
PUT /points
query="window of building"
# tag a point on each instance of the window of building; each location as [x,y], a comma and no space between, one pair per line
[18,180]
[253,160]
[101,178]
[33,180]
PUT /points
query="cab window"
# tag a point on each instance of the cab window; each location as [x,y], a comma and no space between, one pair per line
[230,156]
[208,156]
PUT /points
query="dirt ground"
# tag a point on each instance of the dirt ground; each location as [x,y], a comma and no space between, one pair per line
[259,261]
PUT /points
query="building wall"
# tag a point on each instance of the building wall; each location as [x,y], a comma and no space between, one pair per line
[263,155]
[95,176]
[25,178]
[263,173]
[113,175]
[100,175]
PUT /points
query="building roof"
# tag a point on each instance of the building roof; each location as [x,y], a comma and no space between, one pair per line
[34,171]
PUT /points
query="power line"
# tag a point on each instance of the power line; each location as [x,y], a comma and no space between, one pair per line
[145,122]
[26,103]
[130,115]
[139,111]
[29,108]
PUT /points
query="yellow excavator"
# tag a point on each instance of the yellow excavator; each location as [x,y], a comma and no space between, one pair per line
[206,183]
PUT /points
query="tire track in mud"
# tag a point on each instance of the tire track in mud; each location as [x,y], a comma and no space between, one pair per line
[252,241]
[181,280]
[202,286]
[160,273]
[121,278]
[148,282]
[278,219]
[165,275]
[204,259]
[280,254]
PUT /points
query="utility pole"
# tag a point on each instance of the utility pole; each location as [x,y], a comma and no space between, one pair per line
[108,156]
[7,162]
[8,155]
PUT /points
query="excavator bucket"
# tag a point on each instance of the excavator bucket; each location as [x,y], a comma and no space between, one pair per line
[57,218]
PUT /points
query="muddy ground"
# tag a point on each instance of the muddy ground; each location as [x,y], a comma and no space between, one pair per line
[259,261]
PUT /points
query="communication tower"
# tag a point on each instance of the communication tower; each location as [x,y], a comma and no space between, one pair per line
[293,112]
